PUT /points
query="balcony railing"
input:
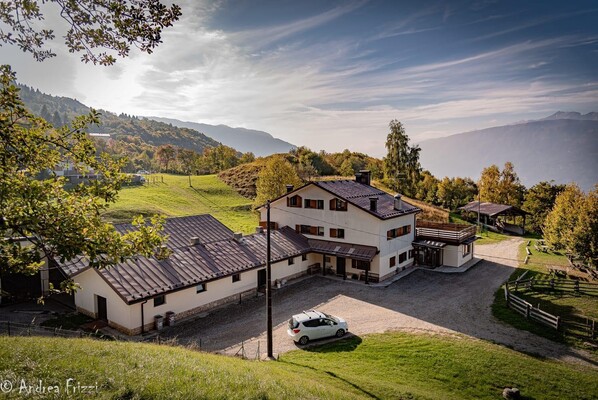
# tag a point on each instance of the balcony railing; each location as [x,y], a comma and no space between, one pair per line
[444,232]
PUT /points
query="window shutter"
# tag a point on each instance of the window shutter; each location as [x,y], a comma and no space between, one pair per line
[299,200]
[333,232]
[297,228]
[333,204]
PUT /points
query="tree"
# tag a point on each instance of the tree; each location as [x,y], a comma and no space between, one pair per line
[401,165]
[273,178]
[427,188]
[489,184]
[539,200]
[585,233]
[561,221]
[187,160]
[502,187]
[58,223]
[455,192]
[113,25]
[166,154]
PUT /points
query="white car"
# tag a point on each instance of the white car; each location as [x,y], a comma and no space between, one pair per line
[312,324]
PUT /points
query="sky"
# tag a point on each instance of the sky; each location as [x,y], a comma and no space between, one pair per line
[331,75]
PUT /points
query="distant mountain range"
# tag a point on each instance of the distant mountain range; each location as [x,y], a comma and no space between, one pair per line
[132,129]
[562,147]
[259,143]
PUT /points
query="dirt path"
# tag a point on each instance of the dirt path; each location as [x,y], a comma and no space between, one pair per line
[423,301]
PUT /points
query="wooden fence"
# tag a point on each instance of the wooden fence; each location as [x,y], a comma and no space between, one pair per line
[564,285]
[530,312]
[574,325]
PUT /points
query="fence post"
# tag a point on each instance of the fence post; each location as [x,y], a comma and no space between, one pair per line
[552,284]
[593,332]
[517,286]
[8,324]
[576,286]
[507,293]
[527,310]
[558,322]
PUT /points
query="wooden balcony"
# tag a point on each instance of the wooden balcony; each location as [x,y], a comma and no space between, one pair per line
[444,232]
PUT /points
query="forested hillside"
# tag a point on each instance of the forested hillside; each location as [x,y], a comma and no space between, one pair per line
[137,135]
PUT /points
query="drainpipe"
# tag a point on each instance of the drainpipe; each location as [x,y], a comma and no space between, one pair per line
[142,318]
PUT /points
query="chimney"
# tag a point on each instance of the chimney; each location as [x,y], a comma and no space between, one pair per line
[363,176]
[259,229]
[193,240]
[373,204]
[290,188]
[398,202]
[237,236]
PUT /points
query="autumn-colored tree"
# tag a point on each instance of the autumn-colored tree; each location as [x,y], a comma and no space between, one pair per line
[273,178]
[585,233]
[427,188]
[166,155]
[561,221]
[502,187]
[455,192]
[539,200]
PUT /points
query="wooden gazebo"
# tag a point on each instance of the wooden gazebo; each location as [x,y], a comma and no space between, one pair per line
[489,214]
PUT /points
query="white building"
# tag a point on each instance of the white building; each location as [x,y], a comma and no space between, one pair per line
[346,228]
[355,227]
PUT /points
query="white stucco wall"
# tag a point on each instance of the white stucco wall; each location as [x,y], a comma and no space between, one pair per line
[129,316]
[453,256]
[92,285]
[360,227]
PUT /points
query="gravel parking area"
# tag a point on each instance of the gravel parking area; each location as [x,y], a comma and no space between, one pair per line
[424,301]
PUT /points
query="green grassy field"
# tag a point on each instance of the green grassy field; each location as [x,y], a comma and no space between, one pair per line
[173,197]
[384,366]
[567,305]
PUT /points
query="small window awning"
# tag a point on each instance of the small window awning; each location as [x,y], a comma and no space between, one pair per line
[349,250]
[432,244]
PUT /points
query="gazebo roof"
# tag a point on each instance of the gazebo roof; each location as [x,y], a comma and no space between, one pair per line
[492,209]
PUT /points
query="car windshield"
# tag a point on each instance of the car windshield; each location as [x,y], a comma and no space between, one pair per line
[293,323]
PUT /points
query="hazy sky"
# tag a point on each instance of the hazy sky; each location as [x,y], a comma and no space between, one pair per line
[332,74]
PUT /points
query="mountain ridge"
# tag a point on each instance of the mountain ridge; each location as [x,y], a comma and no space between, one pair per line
[244,140]
[562,147]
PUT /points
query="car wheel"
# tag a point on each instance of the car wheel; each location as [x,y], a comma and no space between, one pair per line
[303,340]
[340,333]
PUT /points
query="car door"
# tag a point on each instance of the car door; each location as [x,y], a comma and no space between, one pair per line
[312,328]
[327,327]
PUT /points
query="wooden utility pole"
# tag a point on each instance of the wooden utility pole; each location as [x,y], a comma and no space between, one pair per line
[269,283]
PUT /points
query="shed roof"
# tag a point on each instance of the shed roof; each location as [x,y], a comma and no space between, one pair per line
[217,255]
[492,209]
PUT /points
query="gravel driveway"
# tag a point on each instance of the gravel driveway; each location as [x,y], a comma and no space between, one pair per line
[422,301]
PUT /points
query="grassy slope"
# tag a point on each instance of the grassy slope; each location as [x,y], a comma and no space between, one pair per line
[392,365]
[558,303]
[487,237]
[174,197]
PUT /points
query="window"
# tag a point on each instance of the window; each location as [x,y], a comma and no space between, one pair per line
[466,249]
[338,205]
[312,323]
[337,233]
[392,262]
[159,300]
[291,261]
[200,288]
[236,277]
[327,259]
[294,201]
[319,204]
[402,257]
[359,264]
[310,230]
[402,231]
[304,257]
[410,256]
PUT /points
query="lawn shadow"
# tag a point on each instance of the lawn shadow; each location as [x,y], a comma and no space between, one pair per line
[348,343]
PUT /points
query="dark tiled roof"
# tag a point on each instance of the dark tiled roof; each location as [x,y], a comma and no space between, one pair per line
[359,195]
[356,251]
[492,209]
[217,255]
